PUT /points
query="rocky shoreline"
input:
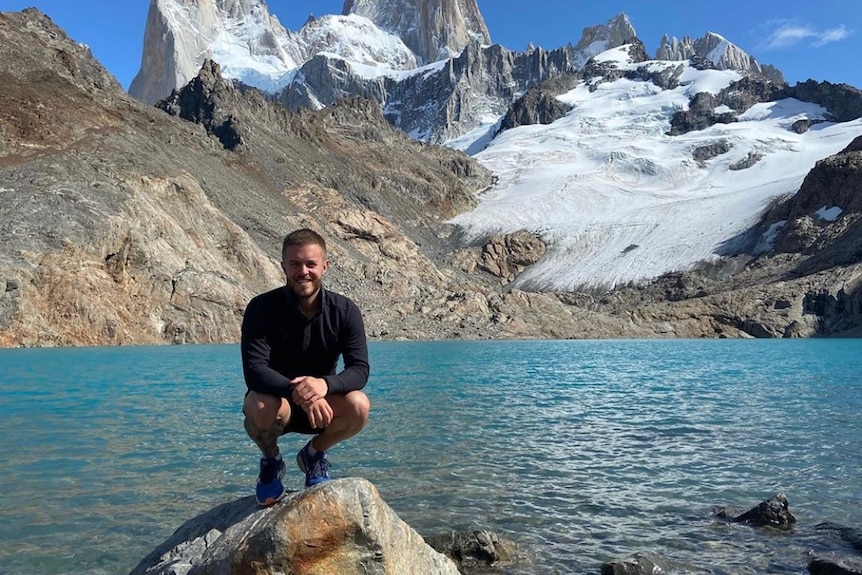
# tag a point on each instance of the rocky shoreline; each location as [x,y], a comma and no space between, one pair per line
[345,527]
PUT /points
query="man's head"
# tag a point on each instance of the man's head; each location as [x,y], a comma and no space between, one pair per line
[303,259]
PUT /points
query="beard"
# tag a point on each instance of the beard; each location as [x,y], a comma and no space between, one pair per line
[305,289]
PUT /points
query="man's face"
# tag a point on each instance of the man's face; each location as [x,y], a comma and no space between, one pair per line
[304,267]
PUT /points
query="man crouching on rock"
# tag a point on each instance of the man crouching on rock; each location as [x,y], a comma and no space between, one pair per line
[291,340]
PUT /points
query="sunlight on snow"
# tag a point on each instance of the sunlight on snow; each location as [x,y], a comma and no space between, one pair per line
[617,200]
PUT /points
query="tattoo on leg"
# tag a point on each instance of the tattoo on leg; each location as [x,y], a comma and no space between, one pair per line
[265,439]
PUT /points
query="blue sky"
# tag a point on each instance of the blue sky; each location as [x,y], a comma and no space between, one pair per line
[803,38]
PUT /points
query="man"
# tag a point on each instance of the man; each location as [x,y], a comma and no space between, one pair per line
[292,337]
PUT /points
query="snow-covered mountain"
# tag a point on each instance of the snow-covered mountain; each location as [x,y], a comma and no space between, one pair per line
[716,49]
[252,46]
[640,166]
[240,34]
[433,29]
[617,199]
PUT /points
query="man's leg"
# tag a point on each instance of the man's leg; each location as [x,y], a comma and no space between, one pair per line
[349,416]
[265,418]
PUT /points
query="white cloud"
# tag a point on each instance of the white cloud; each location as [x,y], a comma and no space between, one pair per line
[788,34]
[833,35]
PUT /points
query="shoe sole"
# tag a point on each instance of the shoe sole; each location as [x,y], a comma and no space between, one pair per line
[271,501]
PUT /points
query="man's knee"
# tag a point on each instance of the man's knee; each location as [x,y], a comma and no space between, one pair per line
[263,410]
[359,407]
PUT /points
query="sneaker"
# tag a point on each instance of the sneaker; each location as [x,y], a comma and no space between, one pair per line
[316,468]
[269,489]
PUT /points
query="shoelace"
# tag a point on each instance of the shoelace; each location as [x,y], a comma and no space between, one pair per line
[320,467]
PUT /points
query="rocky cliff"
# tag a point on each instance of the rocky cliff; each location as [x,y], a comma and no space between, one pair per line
[432,29]
[180,33]
[717,50]
[126,224]
[330,57]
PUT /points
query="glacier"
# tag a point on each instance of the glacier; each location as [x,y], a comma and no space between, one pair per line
[618,201]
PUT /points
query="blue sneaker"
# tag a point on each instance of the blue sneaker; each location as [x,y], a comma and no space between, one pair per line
[316,468]
[269,489]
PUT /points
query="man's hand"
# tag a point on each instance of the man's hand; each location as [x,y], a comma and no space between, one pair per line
[319,413]
[308,389]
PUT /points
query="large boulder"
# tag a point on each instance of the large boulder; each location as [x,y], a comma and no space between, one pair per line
[341,526]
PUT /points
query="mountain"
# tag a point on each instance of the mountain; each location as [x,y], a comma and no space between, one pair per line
[717,50]
[433,29]
[125,223]
[252,46]
[621,197]
[180,33]
[429,64]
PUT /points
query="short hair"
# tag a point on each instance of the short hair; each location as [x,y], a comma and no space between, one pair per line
[303,237]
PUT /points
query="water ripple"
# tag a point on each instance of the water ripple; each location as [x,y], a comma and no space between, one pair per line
[583,452]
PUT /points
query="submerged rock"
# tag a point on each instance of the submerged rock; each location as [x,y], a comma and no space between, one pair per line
[774,512]
[819,566]
[638,564]
[851,535]
[475,549]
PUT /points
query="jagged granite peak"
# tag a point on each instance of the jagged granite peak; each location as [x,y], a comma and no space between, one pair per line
[433,29]
[722,53]
[239,34]
[355,39]
[616,32]
[480,82]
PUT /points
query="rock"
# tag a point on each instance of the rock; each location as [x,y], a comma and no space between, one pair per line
[749,160]
[821,566]
[844,102]
[709,151]
[475,549]
[801,126]
[851,535]
[699,116]
[340,527]
[749,90]
[773,512]
[505,256]
[432,29]
[720,53]
[638,564]
[537,106]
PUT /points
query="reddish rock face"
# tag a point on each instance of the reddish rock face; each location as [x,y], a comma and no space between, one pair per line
[342,526]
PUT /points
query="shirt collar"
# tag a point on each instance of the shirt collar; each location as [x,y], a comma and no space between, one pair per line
[294,302]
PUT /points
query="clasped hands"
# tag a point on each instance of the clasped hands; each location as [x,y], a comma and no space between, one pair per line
[309,393]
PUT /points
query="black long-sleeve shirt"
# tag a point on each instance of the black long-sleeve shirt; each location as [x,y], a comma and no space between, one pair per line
[279,343]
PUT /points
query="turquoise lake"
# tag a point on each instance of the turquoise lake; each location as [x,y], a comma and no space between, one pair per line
[581,451]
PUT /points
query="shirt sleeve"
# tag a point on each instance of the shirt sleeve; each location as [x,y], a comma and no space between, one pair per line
[255,350]
[354,352]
